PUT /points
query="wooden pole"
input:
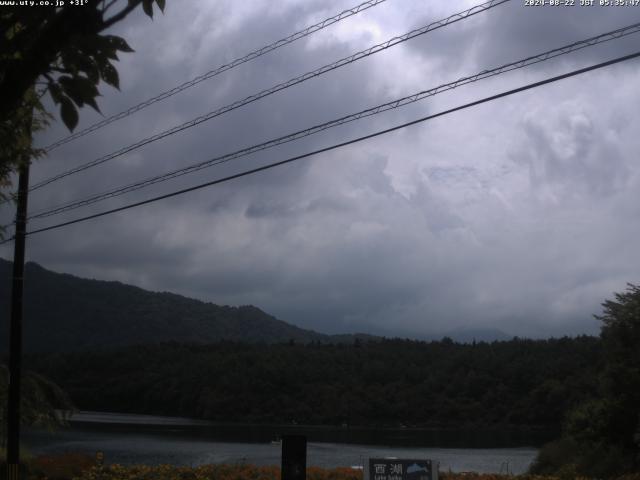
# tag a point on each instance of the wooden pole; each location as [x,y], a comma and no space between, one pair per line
[15,335]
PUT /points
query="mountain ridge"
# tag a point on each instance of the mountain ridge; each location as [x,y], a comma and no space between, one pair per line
[92,313]
[64,312]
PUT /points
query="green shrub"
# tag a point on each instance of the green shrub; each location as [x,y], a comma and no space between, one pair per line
[553,456]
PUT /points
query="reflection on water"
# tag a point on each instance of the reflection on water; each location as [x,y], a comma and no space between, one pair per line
[141,439]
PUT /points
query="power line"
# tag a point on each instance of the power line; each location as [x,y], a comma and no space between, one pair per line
[289,83]
[338,145]
[618,33]
[223,68]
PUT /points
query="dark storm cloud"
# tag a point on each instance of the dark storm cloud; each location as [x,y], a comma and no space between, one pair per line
[273,116]
[514,215]
[516,29]
[513,31]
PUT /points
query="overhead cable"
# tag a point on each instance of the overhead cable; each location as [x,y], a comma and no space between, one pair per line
[618,33]
[281,86]
[335,146]
[217,71]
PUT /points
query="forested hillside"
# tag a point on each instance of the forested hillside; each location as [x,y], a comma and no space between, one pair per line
[394,382]
[64,312]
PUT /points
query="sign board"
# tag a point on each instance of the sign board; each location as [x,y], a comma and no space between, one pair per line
[402,469]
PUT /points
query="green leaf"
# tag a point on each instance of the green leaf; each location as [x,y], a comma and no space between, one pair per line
[118,43]
[81,89]
[161,4]
[102,46]
[70,60]
[93,73]
[64,79]
[105,55]
[147,6]
[68,113]
[93,104]
[110,75]
[56,93]
[109,54]
[69,89]
[89,66]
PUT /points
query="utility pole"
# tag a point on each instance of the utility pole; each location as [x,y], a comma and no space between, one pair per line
[15,336]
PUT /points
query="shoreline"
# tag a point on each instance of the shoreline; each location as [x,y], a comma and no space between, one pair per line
[478,437]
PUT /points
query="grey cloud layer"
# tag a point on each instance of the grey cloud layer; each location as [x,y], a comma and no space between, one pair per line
[518,215]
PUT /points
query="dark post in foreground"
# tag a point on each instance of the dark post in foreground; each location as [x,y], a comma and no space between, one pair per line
[15,335]
[294,457]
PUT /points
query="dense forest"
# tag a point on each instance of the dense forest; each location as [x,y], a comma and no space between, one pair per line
[393,382]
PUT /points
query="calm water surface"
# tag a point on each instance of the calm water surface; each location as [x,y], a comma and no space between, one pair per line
[141,439]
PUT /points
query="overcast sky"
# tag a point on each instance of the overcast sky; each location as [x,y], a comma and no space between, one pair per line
[521,214]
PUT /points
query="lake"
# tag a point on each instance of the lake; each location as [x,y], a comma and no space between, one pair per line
[143,439]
